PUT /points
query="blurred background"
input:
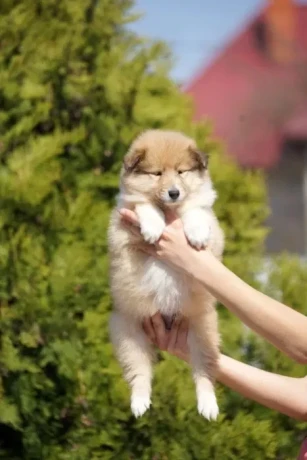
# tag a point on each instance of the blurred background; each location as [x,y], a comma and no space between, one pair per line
[244,65]
[79,79]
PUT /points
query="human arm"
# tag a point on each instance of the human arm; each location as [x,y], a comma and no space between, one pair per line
[284,394]
[280,325]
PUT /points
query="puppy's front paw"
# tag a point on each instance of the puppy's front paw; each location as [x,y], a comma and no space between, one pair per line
[139,404]
[152,230]
[207,405]
[152,222]
[197,235]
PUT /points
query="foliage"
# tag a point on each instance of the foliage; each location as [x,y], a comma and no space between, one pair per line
[76,86]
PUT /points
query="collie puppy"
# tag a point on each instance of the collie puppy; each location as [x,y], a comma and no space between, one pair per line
[163,169]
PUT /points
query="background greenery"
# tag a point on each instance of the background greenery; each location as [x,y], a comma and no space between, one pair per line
[75,88]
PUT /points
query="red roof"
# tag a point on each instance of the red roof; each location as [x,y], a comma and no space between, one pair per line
[254,102]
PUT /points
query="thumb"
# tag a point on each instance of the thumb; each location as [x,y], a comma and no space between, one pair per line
[129,216]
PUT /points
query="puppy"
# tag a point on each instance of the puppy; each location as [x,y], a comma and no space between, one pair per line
[163,169]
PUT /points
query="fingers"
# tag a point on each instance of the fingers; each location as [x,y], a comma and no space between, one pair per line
[182,335]
[148,249]
[149,330]
[175,341]
[131,222]
[154,328]
[160,331]
[178,341]
[132,229]
[129,216]
[173,335]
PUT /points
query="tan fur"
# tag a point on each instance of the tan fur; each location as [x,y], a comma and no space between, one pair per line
[133,274]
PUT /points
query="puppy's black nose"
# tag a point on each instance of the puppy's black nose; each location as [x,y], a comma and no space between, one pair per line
[173,193]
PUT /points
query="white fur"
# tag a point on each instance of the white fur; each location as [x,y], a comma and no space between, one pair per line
[139,404]
[168,287]
[124,198]
[135,356]
[197,226]
[204,198]
[207,405]
[152,222]
[206,400]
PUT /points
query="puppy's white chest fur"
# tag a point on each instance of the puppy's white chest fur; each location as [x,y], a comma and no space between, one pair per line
[166,285]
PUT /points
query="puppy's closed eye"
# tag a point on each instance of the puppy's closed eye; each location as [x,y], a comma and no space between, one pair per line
[182,172]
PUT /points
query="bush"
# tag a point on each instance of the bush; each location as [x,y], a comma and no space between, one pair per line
[76,86]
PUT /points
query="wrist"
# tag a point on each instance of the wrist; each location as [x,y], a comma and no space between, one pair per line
[203,266]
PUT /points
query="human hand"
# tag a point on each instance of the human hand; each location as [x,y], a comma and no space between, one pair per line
[172,247]
[173,341]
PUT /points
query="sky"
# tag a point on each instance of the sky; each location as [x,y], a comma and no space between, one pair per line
[195,29]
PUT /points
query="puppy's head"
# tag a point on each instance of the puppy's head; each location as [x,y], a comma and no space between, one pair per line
[165,167]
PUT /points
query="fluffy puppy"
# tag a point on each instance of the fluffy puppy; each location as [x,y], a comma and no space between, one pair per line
[163,169]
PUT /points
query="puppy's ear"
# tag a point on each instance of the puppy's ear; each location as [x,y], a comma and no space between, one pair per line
[133,158]
[200,157]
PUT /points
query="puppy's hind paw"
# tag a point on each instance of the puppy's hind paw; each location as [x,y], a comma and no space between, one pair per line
[139,404]
[207,405]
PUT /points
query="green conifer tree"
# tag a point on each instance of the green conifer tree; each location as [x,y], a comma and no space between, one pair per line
[76,86]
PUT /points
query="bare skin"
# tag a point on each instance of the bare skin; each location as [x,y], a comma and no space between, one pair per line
[280,325]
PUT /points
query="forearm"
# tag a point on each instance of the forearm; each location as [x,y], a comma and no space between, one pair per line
[283,394]
[282,326]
